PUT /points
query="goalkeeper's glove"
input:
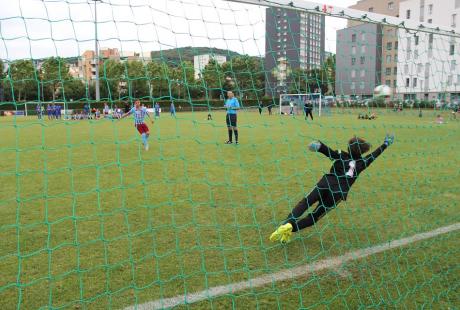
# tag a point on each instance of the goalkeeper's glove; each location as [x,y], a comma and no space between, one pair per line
[314,146]
[389,139]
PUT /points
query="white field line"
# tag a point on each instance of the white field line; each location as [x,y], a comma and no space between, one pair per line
[289,274]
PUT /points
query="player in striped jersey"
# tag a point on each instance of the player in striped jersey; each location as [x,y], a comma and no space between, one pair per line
[139,114]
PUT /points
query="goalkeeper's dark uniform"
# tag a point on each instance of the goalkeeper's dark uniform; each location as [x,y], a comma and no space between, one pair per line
[332,187]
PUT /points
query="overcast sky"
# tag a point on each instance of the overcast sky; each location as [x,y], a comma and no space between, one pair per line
[43,28]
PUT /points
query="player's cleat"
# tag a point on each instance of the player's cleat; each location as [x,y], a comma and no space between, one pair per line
[228,142]
[146,147]
[236,142]
[282,233]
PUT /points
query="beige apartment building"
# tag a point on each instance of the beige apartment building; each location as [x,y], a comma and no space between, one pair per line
[87,63]
[389,43]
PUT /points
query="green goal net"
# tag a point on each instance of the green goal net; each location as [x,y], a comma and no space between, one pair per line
[95,213]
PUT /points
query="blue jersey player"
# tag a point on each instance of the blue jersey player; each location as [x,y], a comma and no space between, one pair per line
[232,106]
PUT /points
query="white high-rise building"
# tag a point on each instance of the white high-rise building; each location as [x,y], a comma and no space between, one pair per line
[201,61]
[429,64]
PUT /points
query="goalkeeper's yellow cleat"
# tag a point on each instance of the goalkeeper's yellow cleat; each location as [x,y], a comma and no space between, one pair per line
[282,233]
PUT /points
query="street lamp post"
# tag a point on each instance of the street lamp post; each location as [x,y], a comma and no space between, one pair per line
[96,54]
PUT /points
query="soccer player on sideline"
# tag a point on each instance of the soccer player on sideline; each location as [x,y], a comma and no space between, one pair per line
[157,110]
[38,108]
[307,110]
[172,110]
[332,187]
[232,106]
[291,107]
[49,111]
[139,115]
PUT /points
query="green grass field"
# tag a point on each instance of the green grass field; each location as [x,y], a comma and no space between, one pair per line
[89,220]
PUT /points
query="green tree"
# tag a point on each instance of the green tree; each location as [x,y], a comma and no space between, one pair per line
[330,74]
[22,81]
[111,79]
[137,79]
[158,74]
[54,72]
[74,89]
[2,82]
[311,81]
[247,76]
[183,80]
[213,79]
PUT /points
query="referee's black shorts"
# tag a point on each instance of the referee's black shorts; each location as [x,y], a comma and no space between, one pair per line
[231,120]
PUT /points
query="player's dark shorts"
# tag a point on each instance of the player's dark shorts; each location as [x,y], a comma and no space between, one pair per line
[231,120]
[142,128]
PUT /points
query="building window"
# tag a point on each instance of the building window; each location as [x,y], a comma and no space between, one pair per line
[388,71]
[389,46]
[414,82]
[353,60]
[449,80]
[406,69]
[353,73]
[353,50]
[395,71]
[419,68]
[407,82]
[362,60]
[453,65]
[363,73]
[430,9]
[452,49]
[363,49]
[430,21]
[352,85]
[454,20]
[353,38]
[394,83]
[416,54]
[388,59]
[391,5]
[408,14]
[363,36]
[361,85]
[388,82]
[371,9]
[396,58]
[416,40]
[396,45]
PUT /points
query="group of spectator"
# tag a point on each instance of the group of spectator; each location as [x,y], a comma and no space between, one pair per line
[54,111]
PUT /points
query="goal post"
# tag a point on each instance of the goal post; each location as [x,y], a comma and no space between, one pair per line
[293,104]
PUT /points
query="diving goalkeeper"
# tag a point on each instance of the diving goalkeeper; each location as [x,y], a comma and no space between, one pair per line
[332,187]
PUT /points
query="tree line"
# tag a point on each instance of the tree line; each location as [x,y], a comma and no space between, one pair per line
[23,81]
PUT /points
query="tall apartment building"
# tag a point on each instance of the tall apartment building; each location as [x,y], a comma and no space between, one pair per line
[382,62]
[358,65]
[293,40]
[429,63]
[201,61]
[87,62]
